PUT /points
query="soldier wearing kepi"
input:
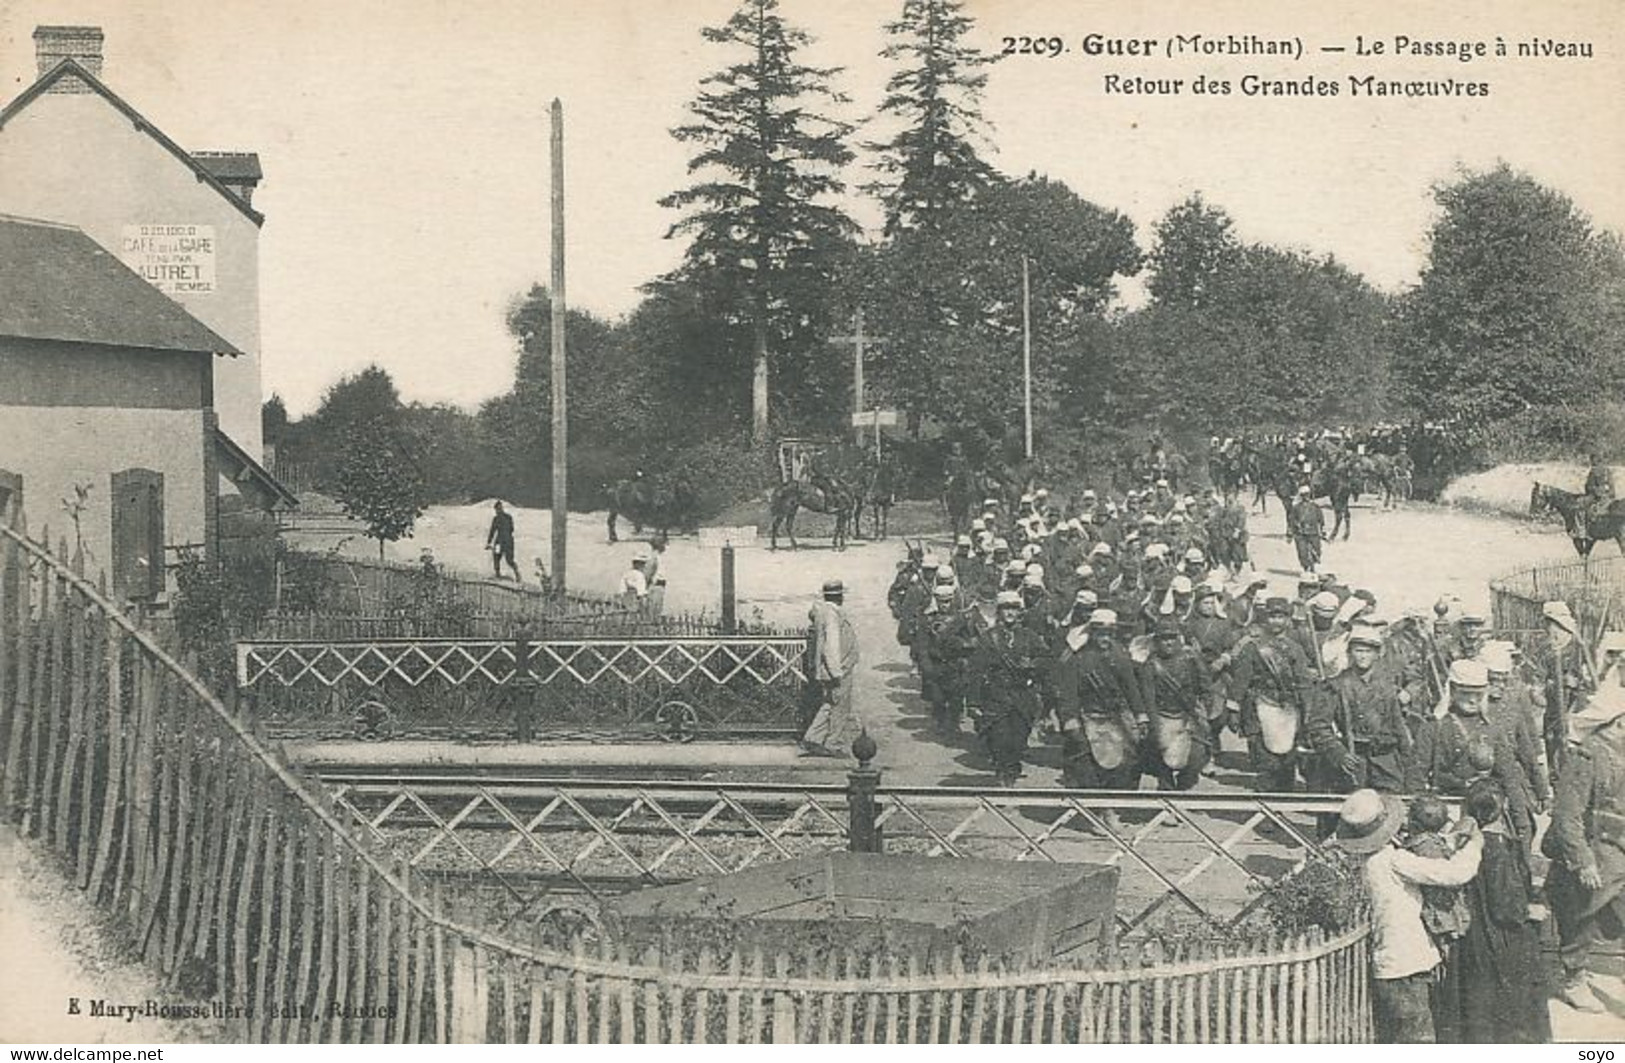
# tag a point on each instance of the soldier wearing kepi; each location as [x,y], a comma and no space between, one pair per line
[1102,711]
[1272,681]
[1005,675]
[1586,844]
[1356,726]
[944,640]
[1308,526]
[1179,696]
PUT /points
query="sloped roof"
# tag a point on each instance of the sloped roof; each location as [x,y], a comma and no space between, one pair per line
[56,283]
[70,68]
[250,476]
[231,166]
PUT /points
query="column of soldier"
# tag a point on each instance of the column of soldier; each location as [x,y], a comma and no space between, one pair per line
[1135,632]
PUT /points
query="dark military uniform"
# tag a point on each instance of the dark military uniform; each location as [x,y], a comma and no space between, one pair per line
[1308,529]
[1588,831]
[1178,693]
[1099,701]
[1569,683]
[1005,671]
[1358,714]
[1276,668]
[945,640]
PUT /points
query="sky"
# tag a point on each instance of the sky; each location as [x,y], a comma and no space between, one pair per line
[405,143]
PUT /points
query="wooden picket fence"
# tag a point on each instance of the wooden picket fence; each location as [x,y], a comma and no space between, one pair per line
[1308,989]
[241,885]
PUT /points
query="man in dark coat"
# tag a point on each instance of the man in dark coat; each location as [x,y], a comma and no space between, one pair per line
[1355,724]
[1272,684]
[1102,712]
[1178,690]
[1586,844]
[499,541]
[1308,530]
[1005,675]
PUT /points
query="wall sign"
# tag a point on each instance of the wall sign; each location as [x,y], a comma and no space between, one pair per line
[175,259]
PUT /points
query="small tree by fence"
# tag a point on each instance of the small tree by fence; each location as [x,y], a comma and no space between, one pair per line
[241,884]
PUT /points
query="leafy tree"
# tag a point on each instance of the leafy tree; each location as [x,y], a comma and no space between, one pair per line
[1521,304]
[1195,251]
[1242,334]
[764,235]
[930,168]
[273,419]
[950,303]
[379,482]
[318,441]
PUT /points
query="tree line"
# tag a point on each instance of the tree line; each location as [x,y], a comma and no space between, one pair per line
[1514,331]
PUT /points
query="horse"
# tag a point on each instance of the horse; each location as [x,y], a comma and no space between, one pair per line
[878,489]
[1585,534]
[789,498]
[647,504]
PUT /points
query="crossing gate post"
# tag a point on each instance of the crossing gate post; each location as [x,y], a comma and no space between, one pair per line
[863,832]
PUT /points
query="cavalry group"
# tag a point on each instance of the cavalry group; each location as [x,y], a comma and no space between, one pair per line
[1134,633]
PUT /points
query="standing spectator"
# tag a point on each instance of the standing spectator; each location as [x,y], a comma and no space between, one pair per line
[656,575]
[499,540]
[1493,991]
[1403,956]
[832,665]
[635,583]
[1586,843]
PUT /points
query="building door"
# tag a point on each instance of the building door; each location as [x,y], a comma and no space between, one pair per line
[138,535]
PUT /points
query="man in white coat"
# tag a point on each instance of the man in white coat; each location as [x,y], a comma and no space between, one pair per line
[832,665]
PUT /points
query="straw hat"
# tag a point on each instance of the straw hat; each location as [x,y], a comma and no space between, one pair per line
[1367,820]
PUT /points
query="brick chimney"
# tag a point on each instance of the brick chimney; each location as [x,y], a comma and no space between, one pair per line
[82,44]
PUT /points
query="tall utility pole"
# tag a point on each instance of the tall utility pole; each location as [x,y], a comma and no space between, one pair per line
[1027,355]
[561,430]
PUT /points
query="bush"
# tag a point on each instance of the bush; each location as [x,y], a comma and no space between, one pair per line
[721,473]
[1326,892]
[1556,433]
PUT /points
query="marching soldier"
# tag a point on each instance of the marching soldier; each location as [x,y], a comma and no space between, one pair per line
[1569,682]
[1272,682]
[1586,844]
[1006,669]
[1308,526]
[1102,712]
[1356,726]
[947,640]
[1179,696]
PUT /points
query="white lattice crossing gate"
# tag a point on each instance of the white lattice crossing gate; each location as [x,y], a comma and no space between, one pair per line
[710,683]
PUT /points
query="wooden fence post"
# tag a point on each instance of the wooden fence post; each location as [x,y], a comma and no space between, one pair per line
[730,619]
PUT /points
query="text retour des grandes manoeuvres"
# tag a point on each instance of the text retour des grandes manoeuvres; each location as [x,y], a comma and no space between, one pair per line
[1458,63]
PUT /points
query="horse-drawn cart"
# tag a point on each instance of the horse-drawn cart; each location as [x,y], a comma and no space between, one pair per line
[669,688]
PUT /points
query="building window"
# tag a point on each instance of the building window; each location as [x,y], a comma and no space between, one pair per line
[138,535]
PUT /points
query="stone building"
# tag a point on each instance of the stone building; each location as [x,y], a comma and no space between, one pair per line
[73,151]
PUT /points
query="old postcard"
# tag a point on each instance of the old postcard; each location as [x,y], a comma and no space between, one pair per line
[859,521]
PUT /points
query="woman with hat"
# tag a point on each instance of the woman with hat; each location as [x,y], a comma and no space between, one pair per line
[1403,957]
[1493,991]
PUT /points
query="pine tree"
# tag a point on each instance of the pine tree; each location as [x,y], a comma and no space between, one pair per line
[765,239]
[931,166]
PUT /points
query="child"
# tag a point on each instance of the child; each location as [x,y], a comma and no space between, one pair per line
[1444,908]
